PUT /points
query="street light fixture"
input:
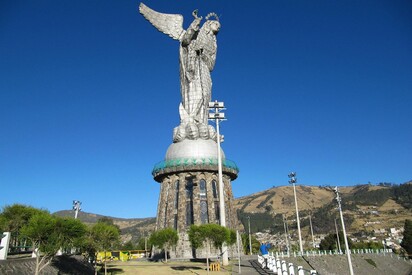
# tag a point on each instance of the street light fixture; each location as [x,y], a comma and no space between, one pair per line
[292,181]
[217,117]
[338,199]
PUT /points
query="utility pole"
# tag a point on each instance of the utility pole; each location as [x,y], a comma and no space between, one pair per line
[338,199]
[311,231]
[145,241]
[250,237]
[217,106]
[238,250]
[76,207]
[292,181]
[337,236]
[286,233]
[287,227]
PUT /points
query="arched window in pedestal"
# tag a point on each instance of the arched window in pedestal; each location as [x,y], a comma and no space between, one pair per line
[167,186]
[214,189]
[189,202]
[176,204]
[216,201]
[204,217]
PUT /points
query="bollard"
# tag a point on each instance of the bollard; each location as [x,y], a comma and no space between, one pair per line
[215,266]
[261,260]
[4,245]
[300,270]
[291,269]
[271,263]
[284,268]
[278,267]
[34,253]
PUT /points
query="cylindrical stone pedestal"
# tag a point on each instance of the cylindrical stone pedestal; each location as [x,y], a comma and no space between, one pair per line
[189,191]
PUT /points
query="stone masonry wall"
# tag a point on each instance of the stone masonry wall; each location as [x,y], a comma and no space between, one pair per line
[181,192]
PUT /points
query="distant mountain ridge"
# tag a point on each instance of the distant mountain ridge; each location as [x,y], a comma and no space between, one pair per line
[131,229]
[366,207]
[93,218]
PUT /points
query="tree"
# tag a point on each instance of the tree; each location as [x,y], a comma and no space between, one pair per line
[48,234]
[129,245]
[164,239]
[14,217]
[108,221]
[245,243]
[330,242]
[102,237]
[210,234]
[232,237]
[143,243]
[407,237]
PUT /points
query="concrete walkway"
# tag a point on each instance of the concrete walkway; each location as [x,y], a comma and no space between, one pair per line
[249,266]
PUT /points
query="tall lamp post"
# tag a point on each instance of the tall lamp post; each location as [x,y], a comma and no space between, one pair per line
[338,199]
[292,181]
[217,117]
[76,207]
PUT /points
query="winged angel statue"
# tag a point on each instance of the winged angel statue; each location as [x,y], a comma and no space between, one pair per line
[197,56]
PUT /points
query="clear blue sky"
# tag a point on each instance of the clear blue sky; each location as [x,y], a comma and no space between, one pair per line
[89,95]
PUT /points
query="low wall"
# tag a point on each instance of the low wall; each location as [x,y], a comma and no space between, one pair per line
[60,265]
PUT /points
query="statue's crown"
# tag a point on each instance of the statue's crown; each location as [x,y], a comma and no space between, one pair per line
[212,14]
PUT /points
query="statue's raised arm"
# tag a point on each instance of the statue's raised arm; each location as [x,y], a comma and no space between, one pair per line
[197,56]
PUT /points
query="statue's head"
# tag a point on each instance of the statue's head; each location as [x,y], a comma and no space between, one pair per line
[212,25]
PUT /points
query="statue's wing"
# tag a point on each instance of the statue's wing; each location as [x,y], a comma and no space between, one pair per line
[170,24]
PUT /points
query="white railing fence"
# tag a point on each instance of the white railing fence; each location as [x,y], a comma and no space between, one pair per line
[281,267]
